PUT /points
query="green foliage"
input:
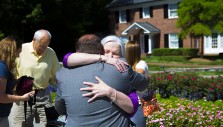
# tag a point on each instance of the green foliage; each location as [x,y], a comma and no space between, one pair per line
[167,59]
[67,20]
[1,35]
[175,52]
[35,15]
[200,17]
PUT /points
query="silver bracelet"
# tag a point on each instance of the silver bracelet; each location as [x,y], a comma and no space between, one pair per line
[114,99]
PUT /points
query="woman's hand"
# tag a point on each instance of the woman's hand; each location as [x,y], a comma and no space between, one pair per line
[27,96]
[119,64]
[99,89]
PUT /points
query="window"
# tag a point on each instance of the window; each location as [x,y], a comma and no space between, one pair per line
[221,40]
[172,11]
[173,41]
[124,39]
[214,41]
[122,17]
[146,12]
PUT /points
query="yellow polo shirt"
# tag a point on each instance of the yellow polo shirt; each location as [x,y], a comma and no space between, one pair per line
[41,68]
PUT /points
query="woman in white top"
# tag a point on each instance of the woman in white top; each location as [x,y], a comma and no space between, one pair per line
[133,57]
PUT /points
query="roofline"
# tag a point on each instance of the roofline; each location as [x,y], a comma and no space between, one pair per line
[143,4]
[135,23]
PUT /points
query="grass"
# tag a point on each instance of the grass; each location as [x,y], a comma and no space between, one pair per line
[160,63]
[210,73]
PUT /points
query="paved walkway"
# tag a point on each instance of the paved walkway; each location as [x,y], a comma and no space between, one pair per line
[182,65]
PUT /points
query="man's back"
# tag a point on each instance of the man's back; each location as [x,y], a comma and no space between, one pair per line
[99,113]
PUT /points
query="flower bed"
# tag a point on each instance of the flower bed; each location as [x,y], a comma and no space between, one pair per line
[176,112]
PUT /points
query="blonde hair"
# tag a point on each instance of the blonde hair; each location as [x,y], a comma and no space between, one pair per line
[8,52]
[133,53]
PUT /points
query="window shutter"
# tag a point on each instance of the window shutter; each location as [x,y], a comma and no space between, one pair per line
[140,12]
[151,11]
[166,40]
[127,15]
[165,7]
[180,43]
[117,16]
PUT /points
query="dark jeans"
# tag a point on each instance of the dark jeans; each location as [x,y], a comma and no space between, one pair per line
[139,118]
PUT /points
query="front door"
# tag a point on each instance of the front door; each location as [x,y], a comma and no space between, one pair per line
[146,43]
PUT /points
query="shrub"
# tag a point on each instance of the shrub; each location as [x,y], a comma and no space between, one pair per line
[189,52]
[187,85]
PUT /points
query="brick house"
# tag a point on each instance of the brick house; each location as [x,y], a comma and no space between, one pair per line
[153,24]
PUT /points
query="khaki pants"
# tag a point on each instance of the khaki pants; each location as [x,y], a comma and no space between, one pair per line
[4,122]
[38,113]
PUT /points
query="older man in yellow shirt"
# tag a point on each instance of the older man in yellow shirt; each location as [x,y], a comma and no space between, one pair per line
[40,62]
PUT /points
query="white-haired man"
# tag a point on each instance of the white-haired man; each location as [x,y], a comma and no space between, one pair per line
[39,61]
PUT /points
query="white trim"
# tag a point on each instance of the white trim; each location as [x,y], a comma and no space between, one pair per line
[145,30]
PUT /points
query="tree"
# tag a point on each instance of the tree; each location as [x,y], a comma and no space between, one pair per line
[65,19]
[200,17]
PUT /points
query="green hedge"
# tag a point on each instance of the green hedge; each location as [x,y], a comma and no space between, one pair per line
[176,52]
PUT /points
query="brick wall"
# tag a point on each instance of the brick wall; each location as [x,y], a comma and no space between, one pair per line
[166,26]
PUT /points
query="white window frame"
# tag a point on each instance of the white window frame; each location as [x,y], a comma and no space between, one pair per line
[173,41]
[172,10]
[146,12]
[124,39]
[213,44]
[122,16]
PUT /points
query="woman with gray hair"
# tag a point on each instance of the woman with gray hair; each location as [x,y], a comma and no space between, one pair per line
[113,50]
[115,40]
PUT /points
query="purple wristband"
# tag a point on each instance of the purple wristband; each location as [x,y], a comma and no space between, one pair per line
[65,58]
[134,98]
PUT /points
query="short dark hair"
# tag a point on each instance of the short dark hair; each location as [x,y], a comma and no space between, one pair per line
[89,43]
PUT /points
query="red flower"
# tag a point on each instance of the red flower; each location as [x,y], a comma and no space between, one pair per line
[158,78]
[169,77]
[193,78]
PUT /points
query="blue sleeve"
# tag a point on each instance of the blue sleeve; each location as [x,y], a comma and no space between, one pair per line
[4,72]
[139,82]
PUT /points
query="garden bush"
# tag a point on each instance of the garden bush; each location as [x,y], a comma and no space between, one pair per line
[189,52]
[187,85]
